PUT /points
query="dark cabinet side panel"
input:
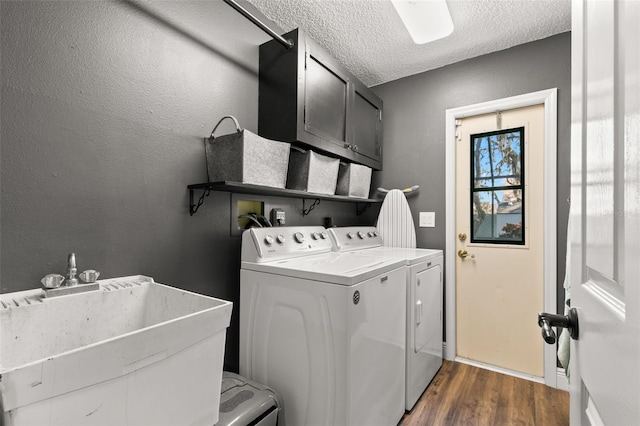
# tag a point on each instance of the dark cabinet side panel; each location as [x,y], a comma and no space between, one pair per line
[278,90]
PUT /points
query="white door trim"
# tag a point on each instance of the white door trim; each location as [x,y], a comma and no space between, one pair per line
[549,99]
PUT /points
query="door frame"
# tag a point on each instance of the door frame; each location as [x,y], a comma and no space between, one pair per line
[549,99]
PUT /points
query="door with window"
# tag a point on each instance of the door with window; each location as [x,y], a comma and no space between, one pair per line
[499,225]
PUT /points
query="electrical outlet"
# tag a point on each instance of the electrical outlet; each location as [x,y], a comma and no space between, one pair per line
[427,219]
[277,217]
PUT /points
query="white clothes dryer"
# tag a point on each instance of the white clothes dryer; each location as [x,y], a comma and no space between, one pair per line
[323,329]
[424,302]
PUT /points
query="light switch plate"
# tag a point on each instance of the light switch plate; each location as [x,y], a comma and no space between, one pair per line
[427,219]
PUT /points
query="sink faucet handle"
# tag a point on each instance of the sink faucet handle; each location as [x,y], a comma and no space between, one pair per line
[52,281]
[89,276]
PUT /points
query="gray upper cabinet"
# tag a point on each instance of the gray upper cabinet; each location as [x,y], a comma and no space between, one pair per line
[307,98]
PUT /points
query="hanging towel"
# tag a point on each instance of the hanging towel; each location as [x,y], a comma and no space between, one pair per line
[395,223]
[564,346]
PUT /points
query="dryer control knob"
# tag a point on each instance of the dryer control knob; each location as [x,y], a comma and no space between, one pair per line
[350,235]
[315,236]
[361,235]
[324,235]
[268,240]
[299,237]
[280,239]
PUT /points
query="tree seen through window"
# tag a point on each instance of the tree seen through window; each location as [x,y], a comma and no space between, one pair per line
[497,187]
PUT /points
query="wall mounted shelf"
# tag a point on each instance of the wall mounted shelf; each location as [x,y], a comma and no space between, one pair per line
[244,188]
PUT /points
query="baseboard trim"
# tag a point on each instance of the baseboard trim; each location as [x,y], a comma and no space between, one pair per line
[562,381]
[501,370]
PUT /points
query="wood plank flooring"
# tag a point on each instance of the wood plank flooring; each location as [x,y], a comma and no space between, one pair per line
[461,394]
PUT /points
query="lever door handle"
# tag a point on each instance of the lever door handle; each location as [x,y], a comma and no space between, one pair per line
[569,321]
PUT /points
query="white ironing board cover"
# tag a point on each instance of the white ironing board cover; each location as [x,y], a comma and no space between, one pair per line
[395,223]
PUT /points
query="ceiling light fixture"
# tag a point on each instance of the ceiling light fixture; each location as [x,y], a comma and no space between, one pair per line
[426,20]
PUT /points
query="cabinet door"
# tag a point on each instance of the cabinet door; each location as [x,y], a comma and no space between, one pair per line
[325,99]
[367,124]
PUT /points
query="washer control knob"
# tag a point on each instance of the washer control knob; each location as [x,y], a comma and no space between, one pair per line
[280,239]
[299,237]
[361,235]
[315,236]
[372,234]
[268,240]
[350,235]
[324,235]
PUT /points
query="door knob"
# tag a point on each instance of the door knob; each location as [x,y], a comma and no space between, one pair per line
[463,254]
[570,322]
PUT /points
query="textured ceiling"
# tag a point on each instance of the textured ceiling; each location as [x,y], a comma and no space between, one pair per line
[369,39]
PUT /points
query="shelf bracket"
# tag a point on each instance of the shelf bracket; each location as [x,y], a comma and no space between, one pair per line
[306,211]
[360,210]
[193,208]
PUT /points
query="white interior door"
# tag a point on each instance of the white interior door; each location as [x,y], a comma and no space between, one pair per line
[605,212]
[499,220]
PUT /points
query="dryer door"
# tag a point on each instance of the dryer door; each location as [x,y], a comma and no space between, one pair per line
[427,317]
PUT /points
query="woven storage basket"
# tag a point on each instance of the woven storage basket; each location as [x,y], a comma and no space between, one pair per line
[312,172]
[245,157]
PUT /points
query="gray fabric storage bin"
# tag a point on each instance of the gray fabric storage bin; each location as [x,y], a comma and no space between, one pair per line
[245,157]
[312,172]
[354,180]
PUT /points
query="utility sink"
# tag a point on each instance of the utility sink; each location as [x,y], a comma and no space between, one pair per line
[132,352]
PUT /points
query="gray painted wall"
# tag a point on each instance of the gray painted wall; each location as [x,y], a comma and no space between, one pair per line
[104,106]
[414,124]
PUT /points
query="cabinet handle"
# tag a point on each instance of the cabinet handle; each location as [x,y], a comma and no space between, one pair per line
[383,279]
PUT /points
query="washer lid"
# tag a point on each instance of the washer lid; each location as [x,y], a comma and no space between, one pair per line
[411,256]
[334,268]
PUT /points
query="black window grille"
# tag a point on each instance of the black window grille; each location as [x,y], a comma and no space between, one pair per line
[497,187]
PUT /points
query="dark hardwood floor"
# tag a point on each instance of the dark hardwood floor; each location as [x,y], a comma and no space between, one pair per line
[461,394]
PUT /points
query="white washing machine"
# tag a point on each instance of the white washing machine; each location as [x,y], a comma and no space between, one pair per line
[424,302]
[323,329]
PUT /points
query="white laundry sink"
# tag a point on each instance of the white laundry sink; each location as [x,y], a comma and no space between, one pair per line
[132,352]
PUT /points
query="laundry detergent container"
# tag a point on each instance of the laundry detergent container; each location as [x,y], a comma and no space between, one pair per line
[245,157]
[312,172]
[244,402]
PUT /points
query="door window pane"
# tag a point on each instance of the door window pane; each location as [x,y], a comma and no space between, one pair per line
[497,194]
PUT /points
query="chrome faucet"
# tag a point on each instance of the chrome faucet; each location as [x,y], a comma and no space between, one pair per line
[57,285]
[72,271]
